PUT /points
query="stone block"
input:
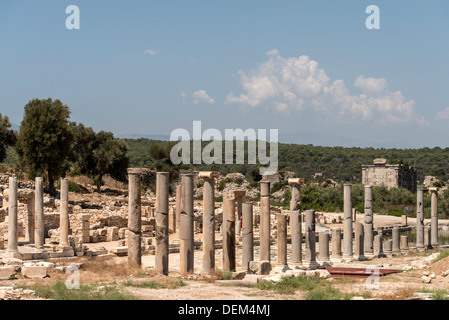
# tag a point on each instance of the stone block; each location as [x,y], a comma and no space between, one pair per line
[260,267]
[35,272]
[7,273]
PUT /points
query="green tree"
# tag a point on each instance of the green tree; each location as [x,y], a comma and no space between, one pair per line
[110,157]
[84,142]
[7,136]
[45,139]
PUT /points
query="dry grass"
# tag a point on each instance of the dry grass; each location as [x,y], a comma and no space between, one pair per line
[93,271]
[403,293]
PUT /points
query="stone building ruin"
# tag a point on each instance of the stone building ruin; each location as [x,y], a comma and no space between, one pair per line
[389,175]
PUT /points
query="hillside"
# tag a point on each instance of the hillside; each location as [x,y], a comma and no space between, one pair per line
[338,163]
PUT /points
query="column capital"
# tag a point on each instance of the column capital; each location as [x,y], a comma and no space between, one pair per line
[208,174]
[296,181]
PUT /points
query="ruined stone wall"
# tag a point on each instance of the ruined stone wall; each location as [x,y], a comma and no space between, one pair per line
[390,176]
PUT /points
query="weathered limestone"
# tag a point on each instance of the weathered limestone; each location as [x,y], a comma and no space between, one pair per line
[29,236]
[296,222]
[310,248]
[186,263]
[434,216]
[134,219]
[282,241]
[64,215]
[427,238]
[396,239]
[247,236]
[420,220]
[404,244]
[378,246]
[12,218]
[336,245]
[388,248]
[404,220]
[162,211]
[208,220]
[240,198]
[323,255]
[229,240]
[369,229]
[39,231]
[178,207]
[265,221]
[347,224]
[359,242]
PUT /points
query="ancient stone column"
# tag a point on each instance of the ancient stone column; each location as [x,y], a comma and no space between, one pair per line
[30,226]
[12,218]
[378,246]
[64,215]
[323,254]
[265,221]
[336,245]
[396,239]
[404,244]
[282,240]
[347,224]
[134,219]
[310,248]
[39,231]
[178,207]
[239,196]
[296,221]
[388,248]
[186,250]
[369,230]
[162,211]
[208,220]
[229,241]
[359,242]
[427,238]
[434,216]
[420,220]
[247,235]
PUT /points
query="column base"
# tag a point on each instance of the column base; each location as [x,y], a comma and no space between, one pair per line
[311,264]
[12,254]
[360,258]
[380,255]
[64,248]
[370,255]
[281,268]
[347,259]
[336,259]
[324,263]
[296,265]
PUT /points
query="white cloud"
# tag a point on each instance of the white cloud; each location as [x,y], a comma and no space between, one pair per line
[201,95]
[150,52]
[184,97]
[371,85]
[299,83]
[443,115]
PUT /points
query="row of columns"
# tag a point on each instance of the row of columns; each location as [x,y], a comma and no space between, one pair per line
[36,224]
[365,243]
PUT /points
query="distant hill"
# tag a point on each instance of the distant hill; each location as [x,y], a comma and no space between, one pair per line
[338,163]
[161,137]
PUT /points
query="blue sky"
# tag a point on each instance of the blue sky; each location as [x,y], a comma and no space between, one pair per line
[310,69]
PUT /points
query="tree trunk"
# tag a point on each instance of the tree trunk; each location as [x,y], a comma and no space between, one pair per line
[99,183]
[51,183]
